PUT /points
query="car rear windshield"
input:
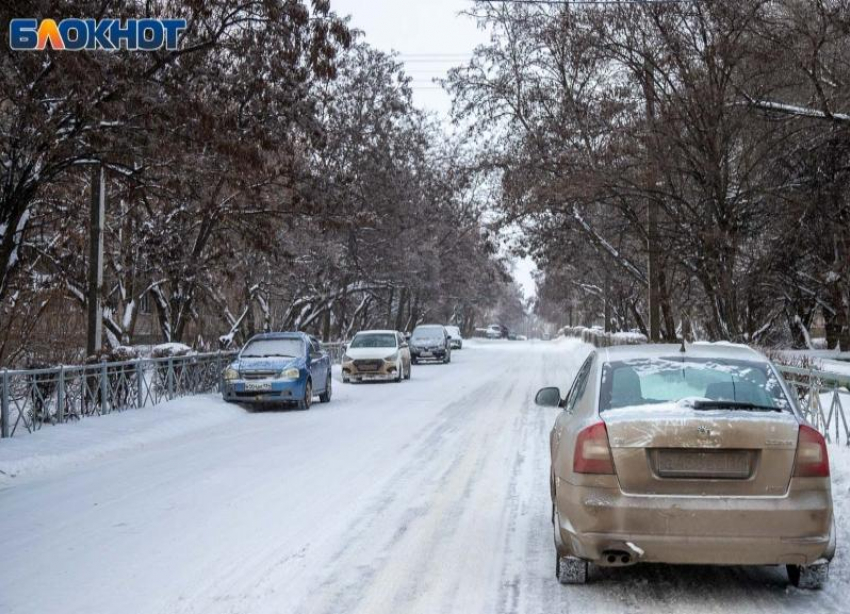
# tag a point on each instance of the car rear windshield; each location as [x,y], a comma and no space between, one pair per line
[705,383]
[268,348]
[374,340]
[428,332]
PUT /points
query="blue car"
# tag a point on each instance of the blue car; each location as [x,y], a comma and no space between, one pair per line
[279,368]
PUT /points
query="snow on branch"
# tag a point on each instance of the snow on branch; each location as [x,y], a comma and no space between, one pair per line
[797,111]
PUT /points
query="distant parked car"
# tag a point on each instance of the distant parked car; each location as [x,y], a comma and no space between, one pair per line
[455,338]
[697,457]
[494,331]
[430,342]
[279,368]
[376,355]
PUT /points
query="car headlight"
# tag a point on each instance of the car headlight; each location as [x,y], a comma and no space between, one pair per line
[391,358]
[290,374]
[230,374]
[346,358]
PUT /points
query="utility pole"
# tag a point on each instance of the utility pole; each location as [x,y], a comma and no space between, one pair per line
[95,281]
[654,293]
[607,296]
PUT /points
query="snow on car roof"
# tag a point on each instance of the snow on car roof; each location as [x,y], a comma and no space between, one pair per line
[377,332]
[696,350]
[279,335]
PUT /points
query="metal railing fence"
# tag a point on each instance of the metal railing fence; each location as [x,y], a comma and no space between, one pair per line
[819,395]
[335,350]
[29,399]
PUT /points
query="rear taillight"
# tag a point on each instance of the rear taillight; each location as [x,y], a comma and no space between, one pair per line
[812,457]
[592,454]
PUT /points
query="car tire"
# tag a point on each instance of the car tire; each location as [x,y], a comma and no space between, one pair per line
[325,397]
[305,403]
[414,361]
[570,570]
[808,576]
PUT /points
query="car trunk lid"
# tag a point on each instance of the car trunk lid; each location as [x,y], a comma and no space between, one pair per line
[675,450]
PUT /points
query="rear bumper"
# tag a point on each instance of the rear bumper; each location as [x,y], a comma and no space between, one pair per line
[794,529]
[433,354]
[280,392]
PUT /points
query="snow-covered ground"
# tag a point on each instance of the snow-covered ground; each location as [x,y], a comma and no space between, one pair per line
[425,497]
[833,361]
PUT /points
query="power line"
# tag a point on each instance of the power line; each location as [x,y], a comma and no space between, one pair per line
[434,55]
[592,2]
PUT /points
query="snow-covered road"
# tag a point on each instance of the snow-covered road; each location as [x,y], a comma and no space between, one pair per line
[424,497]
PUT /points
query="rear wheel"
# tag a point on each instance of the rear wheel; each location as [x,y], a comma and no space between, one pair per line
[570,570]
[307,401]
[325,397]
[808,576]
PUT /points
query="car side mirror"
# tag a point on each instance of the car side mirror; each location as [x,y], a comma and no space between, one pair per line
[548,397]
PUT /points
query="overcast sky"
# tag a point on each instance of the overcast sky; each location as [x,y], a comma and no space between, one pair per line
[430,36]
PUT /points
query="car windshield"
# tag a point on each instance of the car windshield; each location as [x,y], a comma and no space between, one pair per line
[267,348]
[695,382]
[374,340]
[454,331]
[427,333]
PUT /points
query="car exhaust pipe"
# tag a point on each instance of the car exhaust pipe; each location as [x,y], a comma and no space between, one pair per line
[621,558]
[616,558]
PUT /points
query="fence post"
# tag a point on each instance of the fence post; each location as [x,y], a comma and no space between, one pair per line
[219,373]
[140,384]
[60,394]
[170,378]
[104,388]
[4,406]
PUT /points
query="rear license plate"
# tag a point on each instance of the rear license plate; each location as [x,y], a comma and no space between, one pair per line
[257,386]
[718,464]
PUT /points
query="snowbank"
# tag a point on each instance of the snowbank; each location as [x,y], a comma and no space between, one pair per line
[600,338]
[167,350]
[77,443]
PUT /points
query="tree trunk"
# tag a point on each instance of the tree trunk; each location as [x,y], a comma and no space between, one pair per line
[402,299]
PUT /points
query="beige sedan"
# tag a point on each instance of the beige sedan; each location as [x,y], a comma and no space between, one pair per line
[687,457]
[376,355]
